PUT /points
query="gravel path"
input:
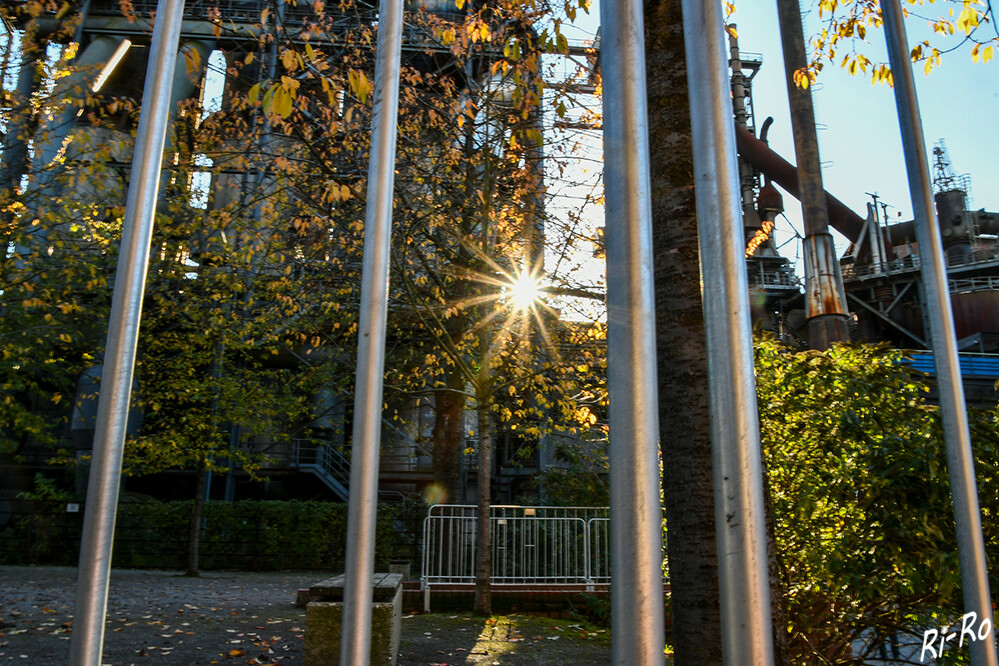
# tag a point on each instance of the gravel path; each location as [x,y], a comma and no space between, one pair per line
[157,617]
[235,618]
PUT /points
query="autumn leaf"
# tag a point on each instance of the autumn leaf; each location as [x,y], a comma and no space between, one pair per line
[359,84]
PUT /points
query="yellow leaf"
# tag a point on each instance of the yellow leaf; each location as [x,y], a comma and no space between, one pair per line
[282,102]
[968,20]
[359,84]
[987,53]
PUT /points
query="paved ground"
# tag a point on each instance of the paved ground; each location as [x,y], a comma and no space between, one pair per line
[157,617]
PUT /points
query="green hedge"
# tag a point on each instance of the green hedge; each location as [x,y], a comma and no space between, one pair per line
[252,535]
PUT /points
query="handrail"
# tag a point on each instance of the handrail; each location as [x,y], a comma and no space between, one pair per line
[323,459]
[912,263]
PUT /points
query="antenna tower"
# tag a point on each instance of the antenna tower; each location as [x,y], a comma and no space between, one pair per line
[944,178]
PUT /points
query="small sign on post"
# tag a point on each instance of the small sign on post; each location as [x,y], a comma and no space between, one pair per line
[72,507]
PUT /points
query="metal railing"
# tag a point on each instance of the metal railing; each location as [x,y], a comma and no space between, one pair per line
[530,545]
[293,15]
[913,263]
[325,462]
[906,265]
[779,279]
[212,10]
[989,283]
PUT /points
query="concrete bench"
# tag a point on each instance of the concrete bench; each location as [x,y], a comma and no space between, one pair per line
[324,616]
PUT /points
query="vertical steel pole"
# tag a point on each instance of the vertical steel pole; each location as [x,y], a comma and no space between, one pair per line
[953,411]
[735,432]
[94,573]
[355,643]
[637,603]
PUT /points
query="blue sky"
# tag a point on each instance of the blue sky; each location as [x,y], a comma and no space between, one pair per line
[859,143]
[859,138]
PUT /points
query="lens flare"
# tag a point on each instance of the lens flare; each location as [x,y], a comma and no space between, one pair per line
[524,292]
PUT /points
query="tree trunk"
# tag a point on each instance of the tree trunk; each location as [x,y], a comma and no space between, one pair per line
[194,527]
[483,546]
[449,438]
[684,410]
[449,422]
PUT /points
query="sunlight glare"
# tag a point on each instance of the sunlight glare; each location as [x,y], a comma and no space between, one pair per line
[524,292]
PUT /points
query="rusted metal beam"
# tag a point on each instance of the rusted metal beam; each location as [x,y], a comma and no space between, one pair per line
[785,174]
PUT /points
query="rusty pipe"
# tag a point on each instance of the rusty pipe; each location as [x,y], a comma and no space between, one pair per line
[785,174]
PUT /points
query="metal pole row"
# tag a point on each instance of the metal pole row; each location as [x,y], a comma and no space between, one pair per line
[735,432]
[362,507]
[637,605]
[94,574]
[953,411]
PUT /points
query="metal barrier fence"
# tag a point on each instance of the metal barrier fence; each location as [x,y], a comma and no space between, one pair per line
[530,545]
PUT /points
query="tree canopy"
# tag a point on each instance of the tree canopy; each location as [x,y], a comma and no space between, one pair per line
[861,497]
[966,25]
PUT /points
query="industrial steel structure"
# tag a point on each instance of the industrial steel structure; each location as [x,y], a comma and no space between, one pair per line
[226,42]
[893,274]
[882,266]
[880,271]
